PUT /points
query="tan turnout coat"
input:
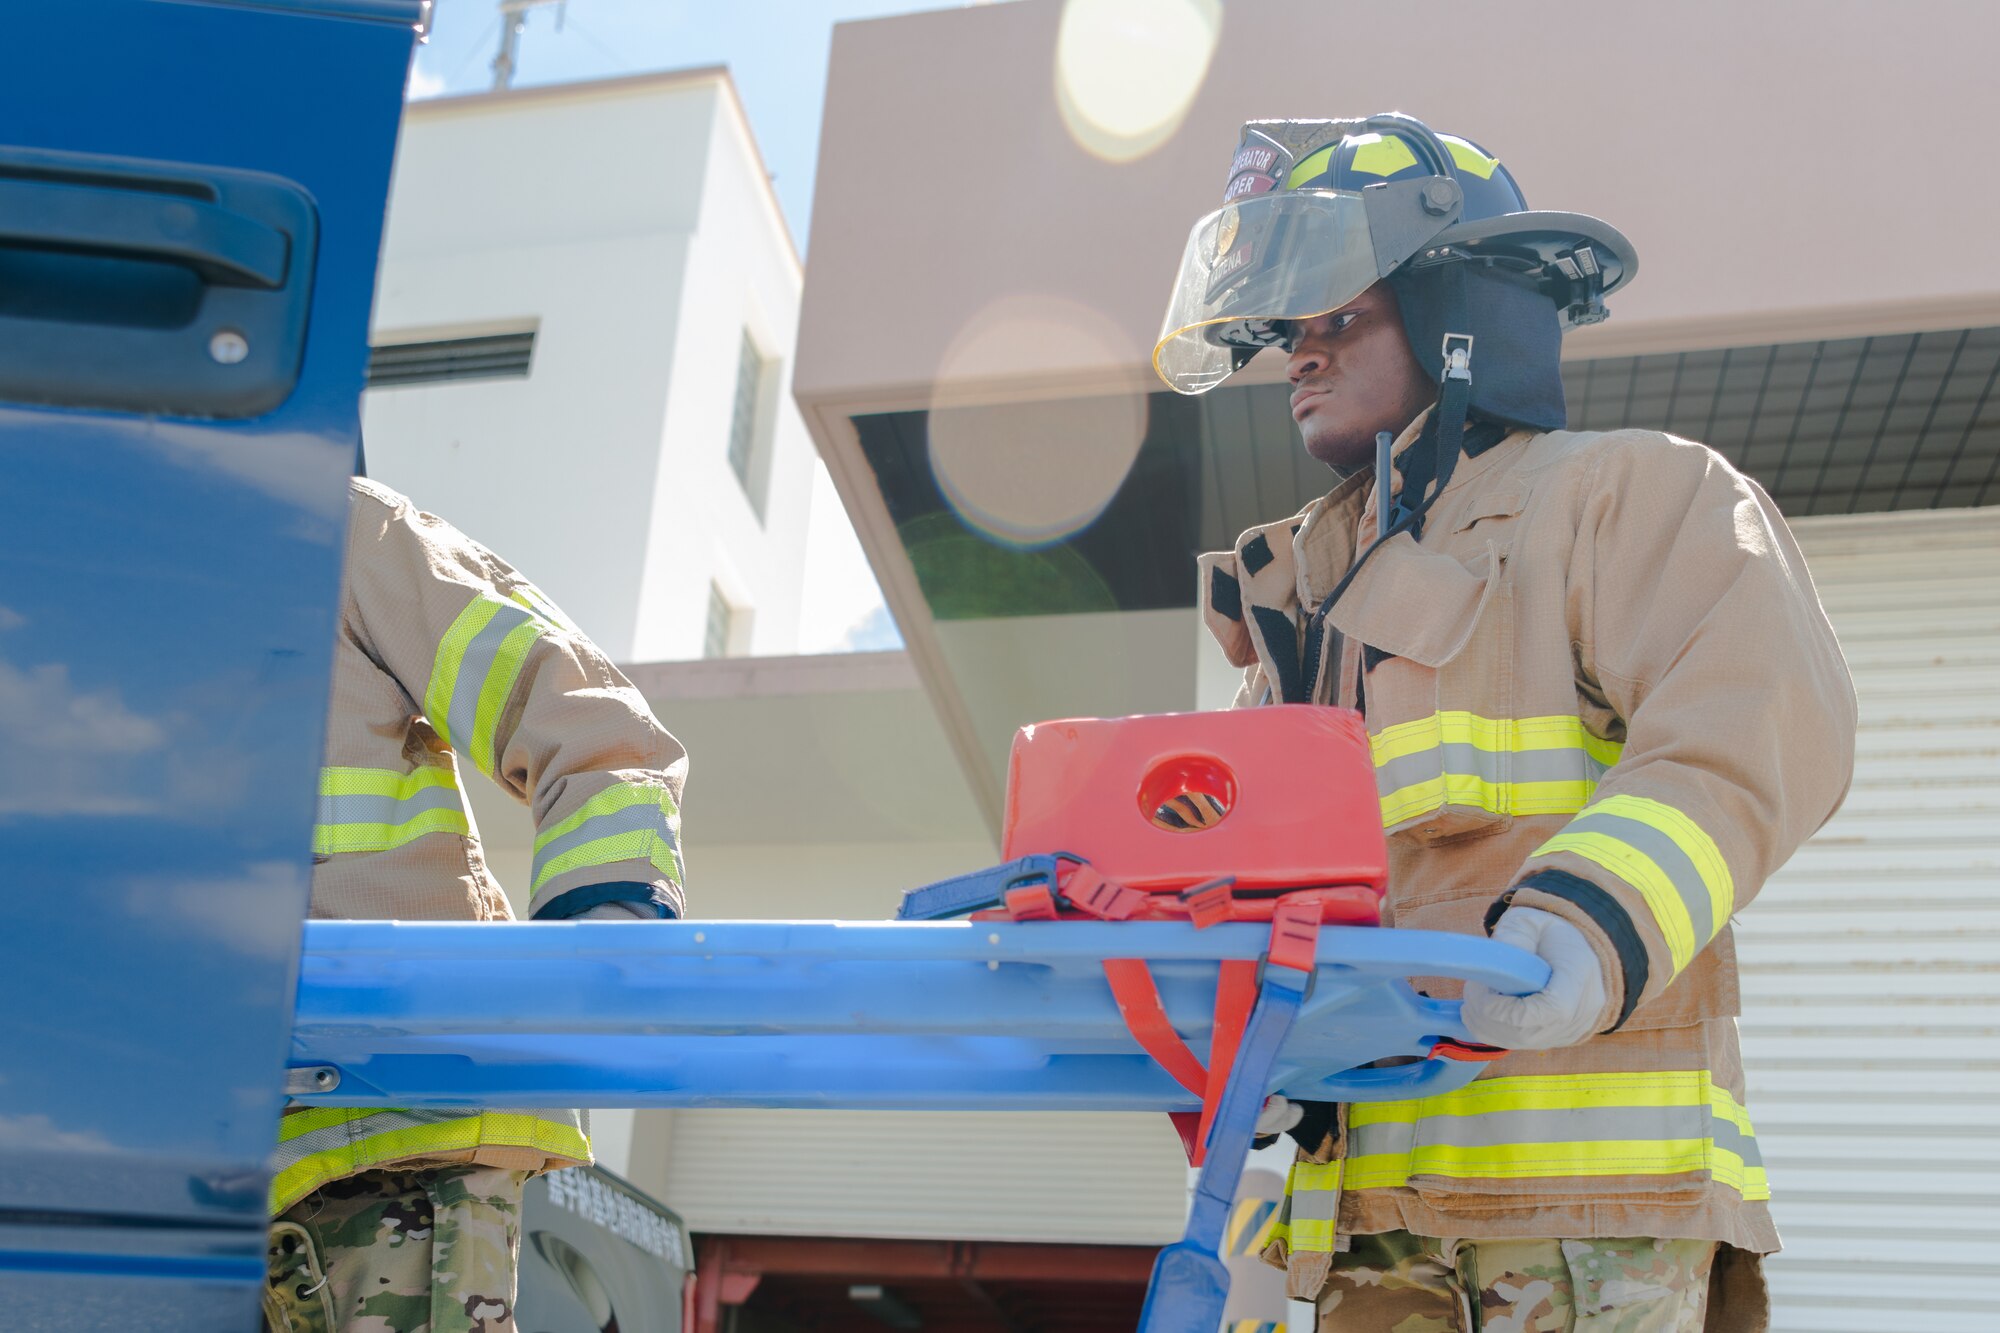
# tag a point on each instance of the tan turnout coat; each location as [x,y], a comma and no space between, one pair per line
[1602,685]
[446,659]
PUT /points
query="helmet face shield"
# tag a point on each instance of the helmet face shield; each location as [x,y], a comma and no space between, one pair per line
[1290,255]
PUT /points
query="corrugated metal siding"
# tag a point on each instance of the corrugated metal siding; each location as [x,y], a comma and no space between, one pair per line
[1029,1176]
[1871,963]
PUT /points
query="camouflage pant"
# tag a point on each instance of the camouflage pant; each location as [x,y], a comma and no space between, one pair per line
[1400,1283]
[399,1252]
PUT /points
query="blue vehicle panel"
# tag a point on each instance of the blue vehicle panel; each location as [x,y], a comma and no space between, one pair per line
[191,198]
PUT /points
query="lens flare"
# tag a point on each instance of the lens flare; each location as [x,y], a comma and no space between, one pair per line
[1128,70]
[1032,474]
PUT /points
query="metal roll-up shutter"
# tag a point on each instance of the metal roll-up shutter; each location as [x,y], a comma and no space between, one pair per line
[1871,963]
[1091,1178]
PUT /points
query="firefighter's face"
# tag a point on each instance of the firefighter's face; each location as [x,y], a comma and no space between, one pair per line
[1352,375]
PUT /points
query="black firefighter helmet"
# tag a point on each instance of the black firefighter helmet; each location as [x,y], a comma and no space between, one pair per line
[1317,211]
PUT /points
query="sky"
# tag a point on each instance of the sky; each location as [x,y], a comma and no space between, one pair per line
[777,53]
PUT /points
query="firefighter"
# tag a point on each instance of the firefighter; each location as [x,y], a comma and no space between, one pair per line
[1604,705]
[447,658]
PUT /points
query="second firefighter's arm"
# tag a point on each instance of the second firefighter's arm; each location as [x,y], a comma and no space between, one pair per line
[523,696]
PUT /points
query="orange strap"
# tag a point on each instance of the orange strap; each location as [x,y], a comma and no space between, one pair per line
[1139,1001]
[1295,922]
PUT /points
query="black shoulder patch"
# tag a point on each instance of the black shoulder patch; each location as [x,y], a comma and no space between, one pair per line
[1256,554]
[1225,594]
[1281,646]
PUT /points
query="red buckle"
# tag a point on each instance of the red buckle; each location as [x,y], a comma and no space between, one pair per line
[1033,902]
[1094,895]
[1209,903]
[1295,935]
[1449,1048]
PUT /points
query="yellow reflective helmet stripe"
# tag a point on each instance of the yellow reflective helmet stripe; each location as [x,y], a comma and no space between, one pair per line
[1314,165]
[630,821]
[377,809]
[333,1147]
[1468,158]
[1376,155]
[1509,766]
[1380,155]
[1673,864]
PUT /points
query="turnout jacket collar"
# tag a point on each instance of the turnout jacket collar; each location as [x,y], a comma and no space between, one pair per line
[1601,685]
[1254,595]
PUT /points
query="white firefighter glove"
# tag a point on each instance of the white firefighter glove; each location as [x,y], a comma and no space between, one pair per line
[1562,1013]
[1279,1114]
[618,911]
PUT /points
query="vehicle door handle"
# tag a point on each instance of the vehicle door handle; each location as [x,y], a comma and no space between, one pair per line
[224,246]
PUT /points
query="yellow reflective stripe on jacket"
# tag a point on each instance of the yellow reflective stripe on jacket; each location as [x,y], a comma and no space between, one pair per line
[1312,1207]
[1553,1125]
[322,1144]
[1509,766]
[631,821]
[375,809]
[477,664]
[528,595]
[1675,866]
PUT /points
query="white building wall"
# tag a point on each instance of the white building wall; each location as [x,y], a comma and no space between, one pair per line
[628,223]
[742,276]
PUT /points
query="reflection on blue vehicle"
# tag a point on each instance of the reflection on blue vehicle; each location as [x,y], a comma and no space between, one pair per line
[192,196]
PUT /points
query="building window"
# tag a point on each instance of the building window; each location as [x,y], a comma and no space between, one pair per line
[743,424]
[721,624]
[495,356]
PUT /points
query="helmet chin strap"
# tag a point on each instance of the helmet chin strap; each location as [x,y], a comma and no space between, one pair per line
[1427,476]
[1429,472]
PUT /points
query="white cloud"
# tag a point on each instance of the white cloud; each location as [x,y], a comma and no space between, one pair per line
[423,83]
[11,619]
[875,632]
[840,592]
[38,1133]
[41,709]
[65,745]
[207,906]
[312,480]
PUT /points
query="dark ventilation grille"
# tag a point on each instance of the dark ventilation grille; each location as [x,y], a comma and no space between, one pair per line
[498,356]
[1843,426]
